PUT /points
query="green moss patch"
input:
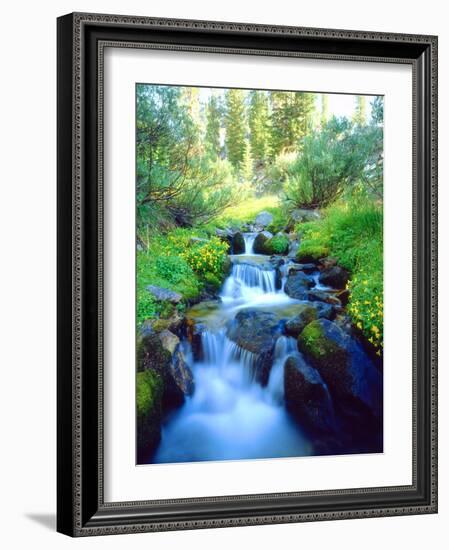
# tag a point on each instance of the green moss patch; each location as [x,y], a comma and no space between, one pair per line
[314,343]
[148,393]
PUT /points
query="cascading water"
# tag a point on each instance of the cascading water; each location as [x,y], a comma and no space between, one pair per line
[230,415]
[249,239]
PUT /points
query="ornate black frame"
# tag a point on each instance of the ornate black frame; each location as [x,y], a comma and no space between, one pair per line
[81,507]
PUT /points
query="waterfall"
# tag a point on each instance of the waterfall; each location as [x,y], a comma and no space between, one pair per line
[220,351]
[230,415]
[248,281]
[285,346]
[249,239]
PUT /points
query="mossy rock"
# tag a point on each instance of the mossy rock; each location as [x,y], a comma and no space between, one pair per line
[305,315]
[316,342]
[150,351]
[311,253]
[276,245]
[149,391]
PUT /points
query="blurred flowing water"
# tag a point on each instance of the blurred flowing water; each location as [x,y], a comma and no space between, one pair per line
[230,415]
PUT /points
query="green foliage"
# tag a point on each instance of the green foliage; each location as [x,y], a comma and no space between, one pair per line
[177,182]
[278,244]
[235,124]
[333,161]
[377,110]
[148,392]
[260,127]
[247,164]
[163,265]
[353,234]
[245,211]
[214,114]
[324,118]
[359,118]
[146,307]
[207,258]
[291,119]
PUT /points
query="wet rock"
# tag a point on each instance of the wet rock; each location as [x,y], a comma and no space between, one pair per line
[194,331]
[174,323]
[260,240]
[306,268]
[264,219]
[324,311]
[161,354]
[306,314]
[350,375]
[254,330]
[149,390]
[307,397]
[151,354]
[293,248]
[169,341]
[164,294]
[238,243]
[335,277]
[323,296]
[179,382]
[327,262]
[298,285]
[343,296]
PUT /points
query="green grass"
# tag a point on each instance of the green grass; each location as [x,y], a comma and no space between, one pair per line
[175,262]
[247,210]
[353,234]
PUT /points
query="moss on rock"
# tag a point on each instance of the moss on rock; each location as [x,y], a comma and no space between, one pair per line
[313,342]
[309,252]
[149,390]
[276,245]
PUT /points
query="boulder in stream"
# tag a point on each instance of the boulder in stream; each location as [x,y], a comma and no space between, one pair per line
[351,377]
[254,330]
[297,285]
[238,243]
[305,315]
[335,277]
[260,240]
[307,397]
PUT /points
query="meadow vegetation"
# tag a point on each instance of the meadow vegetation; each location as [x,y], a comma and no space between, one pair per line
[214,161]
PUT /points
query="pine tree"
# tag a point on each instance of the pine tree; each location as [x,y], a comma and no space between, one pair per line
[377,110]
[359,117]
[235,124]
[213,125]
[324,110]
[292,116]
[247,163]
[259,124]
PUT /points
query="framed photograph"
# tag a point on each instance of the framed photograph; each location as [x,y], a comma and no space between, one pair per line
[246,274]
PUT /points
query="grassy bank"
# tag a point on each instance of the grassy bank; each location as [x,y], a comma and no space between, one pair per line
[353,234]
[181,260]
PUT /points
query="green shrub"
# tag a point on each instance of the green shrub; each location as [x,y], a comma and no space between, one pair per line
[207,258]
[278,245]
[353,234]
[146,307]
